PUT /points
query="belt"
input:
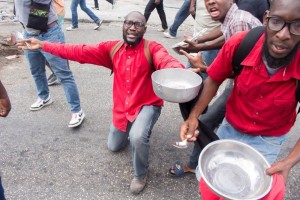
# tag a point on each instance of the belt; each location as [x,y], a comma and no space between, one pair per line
[52,24]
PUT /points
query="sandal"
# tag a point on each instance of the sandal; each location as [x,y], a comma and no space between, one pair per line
[180,170]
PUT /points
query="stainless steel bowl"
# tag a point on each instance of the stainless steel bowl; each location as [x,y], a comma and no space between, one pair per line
[234,170]
[176,85]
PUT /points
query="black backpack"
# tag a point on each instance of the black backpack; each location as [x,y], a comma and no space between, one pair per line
[244,49]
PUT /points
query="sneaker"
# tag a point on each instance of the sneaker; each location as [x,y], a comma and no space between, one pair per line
[52,79]
[98,25]
[71,28]
[40,103]
[77,119]
[137,185]
[162,30]
[167,35]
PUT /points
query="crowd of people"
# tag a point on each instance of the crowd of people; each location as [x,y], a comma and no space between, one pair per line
[257,107]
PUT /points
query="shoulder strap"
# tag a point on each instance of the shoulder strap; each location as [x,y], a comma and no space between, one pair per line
[245,47]
[115,48]
[147,53]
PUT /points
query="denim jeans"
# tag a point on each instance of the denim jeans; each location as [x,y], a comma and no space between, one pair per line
[268,146]
[138,133]
[37,59]
[2,196]
[181,15]
[160,10]
[82,3]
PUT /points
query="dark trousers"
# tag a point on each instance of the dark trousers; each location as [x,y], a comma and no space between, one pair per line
[2,197]
[160,10]
[96,4]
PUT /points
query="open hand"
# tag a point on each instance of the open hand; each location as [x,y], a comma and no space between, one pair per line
[30,44]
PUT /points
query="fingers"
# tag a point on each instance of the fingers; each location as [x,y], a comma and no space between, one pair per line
[185,53]
[183,131]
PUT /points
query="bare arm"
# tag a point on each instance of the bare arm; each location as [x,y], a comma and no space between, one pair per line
[195,47]
[192,7]
[212,40]
[5,105]
[284,167]
[191,124]
[214,34]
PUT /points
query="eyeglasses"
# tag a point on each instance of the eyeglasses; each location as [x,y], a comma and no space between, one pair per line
[277,24]
[128,23]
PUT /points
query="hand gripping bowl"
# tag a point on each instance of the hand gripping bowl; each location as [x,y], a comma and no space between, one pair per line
[234,170]
[176,85]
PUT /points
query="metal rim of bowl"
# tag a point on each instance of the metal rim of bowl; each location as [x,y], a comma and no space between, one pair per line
[179,69]
[240,143]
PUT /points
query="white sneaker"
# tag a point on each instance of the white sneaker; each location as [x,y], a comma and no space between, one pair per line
[167,35]
[71,28]
[77,119]
[40,103]
[98,25]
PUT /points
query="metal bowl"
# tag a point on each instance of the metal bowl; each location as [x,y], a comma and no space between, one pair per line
[234,170]
[176,85]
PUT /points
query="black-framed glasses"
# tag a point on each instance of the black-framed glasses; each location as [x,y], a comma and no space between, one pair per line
[277,24]
[129,23]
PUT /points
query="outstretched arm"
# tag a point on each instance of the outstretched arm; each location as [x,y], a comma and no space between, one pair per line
[284,167]
[4,102]
[97,54]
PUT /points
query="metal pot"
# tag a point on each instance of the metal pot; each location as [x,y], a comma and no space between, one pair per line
[176,85]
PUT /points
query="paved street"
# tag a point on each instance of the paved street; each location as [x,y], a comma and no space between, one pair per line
[41,158]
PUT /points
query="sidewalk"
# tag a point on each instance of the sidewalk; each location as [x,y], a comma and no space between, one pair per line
[123,7]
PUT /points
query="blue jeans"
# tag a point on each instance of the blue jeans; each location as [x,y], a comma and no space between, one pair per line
[37,59]
[138,133]
[74,5]
[268,146]
[181,15]
[2,196]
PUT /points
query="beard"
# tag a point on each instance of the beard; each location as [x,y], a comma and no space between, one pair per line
[138,40]
[278,62]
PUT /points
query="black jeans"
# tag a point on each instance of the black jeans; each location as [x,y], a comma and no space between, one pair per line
[160,10]
[96,4]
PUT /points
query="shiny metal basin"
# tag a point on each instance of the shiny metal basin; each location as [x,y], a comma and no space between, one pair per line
[234,170]
[176,85]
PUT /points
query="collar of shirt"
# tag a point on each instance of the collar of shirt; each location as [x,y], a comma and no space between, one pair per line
[285,73]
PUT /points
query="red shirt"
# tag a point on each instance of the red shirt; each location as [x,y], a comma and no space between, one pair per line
[132,86]
[258,104]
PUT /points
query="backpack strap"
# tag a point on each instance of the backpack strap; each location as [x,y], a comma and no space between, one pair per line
[245,47]
[115,48]
[147,53]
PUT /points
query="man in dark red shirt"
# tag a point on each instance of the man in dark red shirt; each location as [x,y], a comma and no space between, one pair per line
[136,108]
[261,108]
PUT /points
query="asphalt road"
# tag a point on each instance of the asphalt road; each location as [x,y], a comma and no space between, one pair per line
[41,158]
